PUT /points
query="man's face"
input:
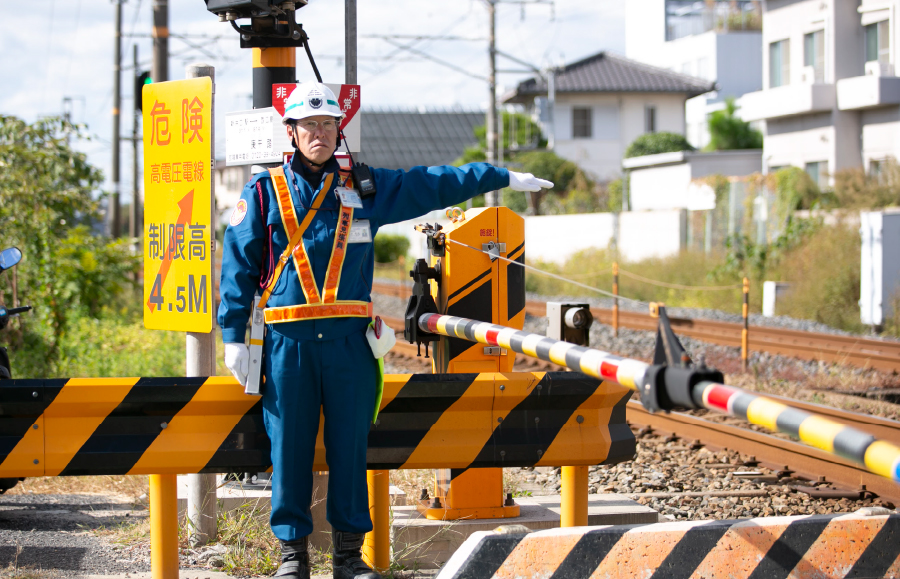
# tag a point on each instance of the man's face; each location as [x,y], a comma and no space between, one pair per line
[315,142]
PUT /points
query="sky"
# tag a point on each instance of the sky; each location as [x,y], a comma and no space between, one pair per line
[65,48]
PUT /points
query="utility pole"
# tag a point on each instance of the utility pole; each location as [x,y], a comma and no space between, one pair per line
[112,212]
[350,33]
[160,69]
[200,360]
[491,128]
[134,214]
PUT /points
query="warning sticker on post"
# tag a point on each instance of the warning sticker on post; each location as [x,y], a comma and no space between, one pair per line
[348,99]
[178,172]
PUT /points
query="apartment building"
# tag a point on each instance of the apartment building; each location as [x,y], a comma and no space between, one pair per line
[830,97]
[718,41]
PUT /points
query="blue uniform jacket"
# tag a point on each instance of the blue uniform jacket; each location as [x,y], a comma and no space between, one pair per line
[401,195]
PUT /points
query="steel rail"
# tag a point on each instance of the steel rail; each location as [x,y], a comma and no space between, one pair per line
[773,452]
[878,456]
[854,350]
[770,451]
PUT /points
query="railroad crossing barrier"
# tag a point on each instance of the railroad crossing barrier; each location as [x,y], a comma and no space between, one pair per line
[113,426]
[169,426]
[674,384]
[861,544]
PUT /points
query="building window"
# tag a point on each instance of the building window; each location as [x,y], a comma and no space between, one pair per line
[779,63]
[814,54]
[818,172]
[878,42]
[649,119]
[581,123]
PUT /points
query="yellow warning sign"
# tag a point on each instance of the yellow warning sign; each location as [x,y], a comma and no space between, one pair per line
[178,228]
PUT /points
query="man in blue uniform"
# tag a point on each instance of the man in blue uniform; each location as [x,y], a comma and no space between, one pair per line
[303,241]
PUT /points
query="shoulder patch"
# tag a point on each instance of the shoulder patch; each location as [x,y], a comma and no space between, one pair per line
[240,211]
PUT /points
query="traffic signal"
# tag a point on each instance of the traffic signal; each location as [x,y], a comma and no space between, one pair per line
[139,81]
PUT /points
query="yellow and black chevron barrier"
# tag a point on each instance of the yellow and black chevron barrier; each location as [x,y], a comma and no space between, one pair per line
[862,544]
[94,426]
[669,388]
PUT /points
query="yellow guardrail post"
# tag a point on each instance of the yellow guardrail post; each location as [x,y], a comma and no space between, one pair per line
[377,547]
[574,496]
[745,331]
[615,308]
[164,526]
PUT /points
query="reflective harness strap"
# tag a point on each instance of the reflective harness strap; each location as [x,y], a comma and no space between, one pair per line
[315,306]
[342,309]
[295,232]
[341,238]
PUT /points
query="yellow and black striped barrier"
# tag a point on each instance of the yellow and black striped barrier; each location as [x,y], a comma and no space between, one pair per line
[862,544]
[96,426]
[878,456]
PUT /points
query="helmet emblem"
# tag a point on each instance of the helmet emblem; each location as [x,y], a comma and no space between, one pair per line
[315,99]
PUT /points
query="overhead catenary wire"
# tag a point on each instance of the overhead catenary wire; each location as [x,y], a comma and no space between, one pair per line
[548,274]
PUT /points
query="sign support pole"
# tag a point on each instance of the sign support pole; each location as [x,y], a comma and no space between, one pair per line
[201,358]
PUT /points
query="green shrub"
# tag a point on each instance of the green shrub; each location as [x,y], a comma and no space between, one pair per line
[655,143]
[728,132]
[389,247]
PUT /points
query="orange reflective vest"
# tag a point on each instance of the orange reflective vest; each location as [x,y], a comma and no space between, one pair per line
[318,304]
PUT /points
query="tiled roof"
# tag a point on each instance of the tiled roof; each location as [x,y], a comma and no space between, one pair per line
[405,139]
[607,72]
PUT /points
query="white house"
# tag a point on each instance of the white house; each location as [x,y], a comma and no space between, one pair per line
[830,97]
[602,103]
[718,41]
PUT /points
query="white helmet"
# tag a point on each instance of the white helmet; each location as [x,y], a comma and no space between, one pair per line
[310,99]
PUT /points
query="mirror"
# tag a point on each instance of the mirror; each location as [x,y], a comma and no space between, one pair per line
[9,257]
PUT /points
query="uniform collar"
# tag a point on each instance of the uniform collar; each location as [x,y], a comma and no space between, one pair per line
[313,178]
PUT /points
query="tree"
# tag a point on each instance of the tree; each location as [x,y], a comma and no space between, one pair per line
[48,210]
[728,132]
[655,143]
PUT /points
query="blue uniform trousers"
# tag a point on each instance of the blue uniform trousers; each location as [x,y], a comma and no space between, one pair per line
[301,375]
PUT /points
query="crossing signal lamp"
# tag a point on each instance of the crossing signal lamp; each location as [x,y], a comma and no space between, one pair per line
[139,81]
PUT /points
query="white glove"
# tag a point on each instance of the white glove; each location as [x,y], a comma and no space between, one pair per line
[527,182]
[237,358]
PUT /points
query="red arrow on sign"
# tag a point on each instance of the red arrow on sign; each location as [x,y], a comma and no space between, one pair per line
[184,217]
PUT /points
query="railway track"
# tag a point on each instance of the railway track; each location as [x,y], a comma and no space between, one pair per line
[853,350]
[715,431]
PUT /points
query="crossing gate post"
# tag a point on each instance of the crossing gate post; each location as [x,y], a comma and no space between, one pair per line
[574,496]
[164,526]
[377,547]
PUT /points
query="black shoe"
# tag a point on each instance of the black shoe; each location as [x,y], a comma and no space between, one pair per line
[294,560]
[347,561]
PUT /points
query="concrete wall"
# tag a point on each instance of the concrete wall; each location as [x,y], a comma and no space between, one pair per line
[657,188]
[667,186]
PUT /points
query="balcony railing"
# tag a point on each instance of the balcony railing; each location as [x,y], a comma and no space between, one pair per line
[690,17]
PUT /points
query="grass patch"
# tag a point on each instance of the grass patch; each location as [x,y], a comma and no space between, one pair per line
[593,267]
[823,269]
